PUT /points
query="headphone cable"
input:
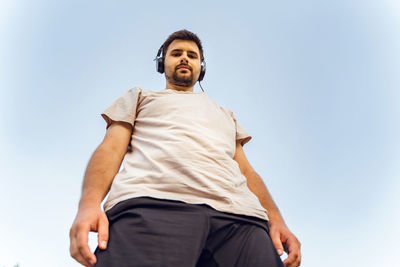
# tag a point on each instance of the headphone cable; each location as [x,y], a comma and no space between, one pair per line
[201,87]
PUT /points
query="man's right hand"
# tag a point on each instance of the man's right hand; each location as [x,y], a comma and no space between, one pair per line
[88,219]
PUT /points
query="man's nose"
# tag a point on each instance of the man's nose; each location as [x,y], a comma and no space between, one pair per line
[184,58]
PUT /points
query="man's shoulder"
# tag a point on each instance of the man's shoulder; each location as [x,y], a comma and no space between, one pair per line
[146,92]
[139,91]
[226,110]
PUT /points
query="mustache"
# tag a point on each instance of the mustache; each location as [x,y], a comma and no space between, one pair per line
[184,65]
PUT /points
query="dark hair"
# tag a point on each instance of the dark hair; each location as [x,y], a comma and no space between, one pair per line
[183,35]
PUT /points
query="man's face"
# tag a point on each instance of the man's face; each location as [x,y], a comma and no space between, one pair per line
[182,63]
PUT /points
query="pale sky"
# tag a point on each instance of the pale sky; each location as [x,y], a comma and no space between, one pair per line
[316,84]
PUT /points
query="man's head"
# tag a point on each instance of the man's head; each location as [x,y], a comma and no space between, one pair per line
[183,35]
[183,55]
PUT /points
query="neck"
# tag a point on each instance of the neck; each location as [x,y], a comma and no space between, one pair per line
[178,87]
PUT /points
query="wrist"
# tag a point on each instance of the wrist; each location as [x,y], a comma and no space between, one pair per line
[275,218]
[89,203]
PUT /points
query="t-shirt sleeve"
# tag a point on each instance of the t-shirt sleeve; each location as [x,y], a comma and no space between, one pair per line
[123,109]
[241,134]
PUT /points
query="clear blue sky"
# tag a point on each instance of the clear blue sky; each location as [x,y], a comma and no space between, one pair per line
[316,83]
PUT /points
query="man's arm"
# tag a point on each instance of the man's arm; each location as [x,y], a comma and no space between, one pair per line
[279,232]
[102,167]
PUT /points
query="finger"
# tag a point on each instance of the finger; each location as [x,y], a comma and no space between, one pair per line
[103,232]
[82,261]
[76,254]
[83,246]
[276,240]
[294,263]
[294,257]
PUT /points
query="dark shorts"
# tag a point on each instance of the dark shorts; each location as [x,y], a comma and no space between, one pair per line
[150,232]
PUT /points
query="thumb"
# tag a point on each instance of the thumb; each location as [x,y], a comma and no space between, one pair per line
[103,232]
[276,240]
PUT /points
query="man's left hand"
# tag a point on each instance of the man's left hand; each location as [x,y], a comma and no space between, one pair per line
[282,237]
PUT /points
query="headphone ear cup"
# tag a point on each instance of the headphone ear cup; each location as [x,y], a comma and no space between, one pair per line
[202,71]
[160,65]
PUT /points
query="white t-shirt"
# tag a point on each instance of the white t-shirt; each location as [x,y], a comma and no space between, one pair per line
[183,145]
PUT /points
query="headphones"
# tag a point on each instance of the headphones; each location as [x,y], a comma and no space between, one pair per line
[160,64]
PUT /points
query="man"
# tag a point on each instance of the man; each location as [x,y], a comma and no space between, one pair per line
[187,195]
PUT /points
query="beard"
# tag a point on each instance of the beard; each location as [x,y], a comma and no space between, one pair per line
[182,79]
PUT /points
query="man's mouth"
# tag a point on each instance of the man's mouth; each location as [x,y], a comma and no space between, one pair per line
[184,67]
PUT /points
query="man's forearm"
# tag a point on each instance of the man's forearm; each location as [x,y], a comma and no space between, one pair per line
[100,172]
[282,238]
[257,186]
